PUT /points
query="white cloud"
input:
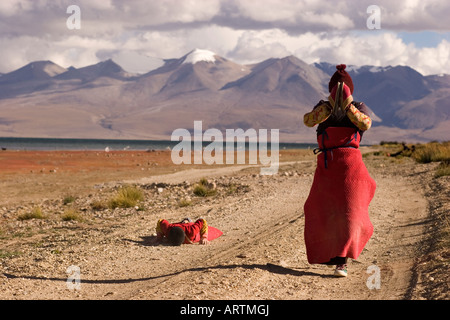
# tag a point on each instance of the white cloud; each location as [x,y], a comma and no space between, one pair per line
[13,7]
[413,15]
[246,31]
[432,60]
[72,51]
[295,14]
[153,13]
[254,46]
[135,62]
[378,49]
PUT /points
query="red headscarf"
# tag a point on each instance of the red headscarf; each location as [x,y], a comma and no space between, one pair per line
[340,76]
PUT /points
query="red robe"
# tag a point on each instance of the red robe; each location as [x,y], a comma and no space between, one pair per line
[194,231]
[337,220]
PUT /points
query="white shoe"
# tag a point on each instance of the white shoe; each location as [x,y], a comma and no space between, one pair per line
[341,270]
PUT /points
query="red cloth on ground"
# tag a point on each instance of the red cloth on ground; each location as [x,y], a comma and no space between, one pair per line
[337,220]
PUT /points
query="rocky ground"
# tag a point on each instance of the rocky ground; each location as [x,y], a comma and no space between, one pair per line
[80,248]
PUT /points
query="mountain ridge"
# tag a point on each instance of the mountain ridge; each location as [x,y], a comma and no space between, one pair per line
[37,70]
[105,101]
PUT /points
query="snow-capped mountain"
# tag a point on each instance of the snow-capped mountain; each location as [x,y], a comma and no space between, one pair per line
[43,99]
[200,55]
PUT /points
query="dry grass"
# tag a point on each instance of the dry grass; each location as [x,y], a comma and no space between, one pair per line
[71,215]
[204,189]
[184,203]
[443,169]
[435,152]
[432,152]
[36,213]
[126,197]
[424,153]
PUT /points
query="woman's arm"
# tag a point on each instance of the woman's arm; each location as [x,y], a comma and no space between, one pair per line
[161,228]
[358,118]
[203,226]
[319,114]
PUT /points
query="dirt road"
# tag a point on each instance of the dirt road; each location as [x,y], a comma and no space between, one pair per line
[261,254]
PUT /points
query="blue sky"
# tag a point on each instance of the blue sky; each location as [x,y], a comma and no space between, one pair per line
[422,39]
[138,33]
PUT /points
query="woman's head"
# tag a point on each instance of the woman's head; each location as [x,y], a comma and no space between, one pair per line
[176,236]
[340,76]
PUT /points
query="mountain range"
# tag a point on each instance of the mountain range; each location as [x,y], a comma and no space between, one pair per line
[103,101]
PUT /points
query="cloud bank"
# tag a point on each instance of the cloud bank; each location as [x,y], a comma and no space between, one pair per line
[135,32]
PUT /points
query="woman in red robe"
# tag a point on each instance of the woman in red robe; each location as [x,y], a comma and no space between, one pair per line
[337,224]
[182,232]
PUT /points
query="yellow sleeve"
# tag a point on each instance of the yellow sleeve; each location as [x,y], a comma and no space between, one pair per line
[204,229]
[318,115]
[359,119]
[159,231]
